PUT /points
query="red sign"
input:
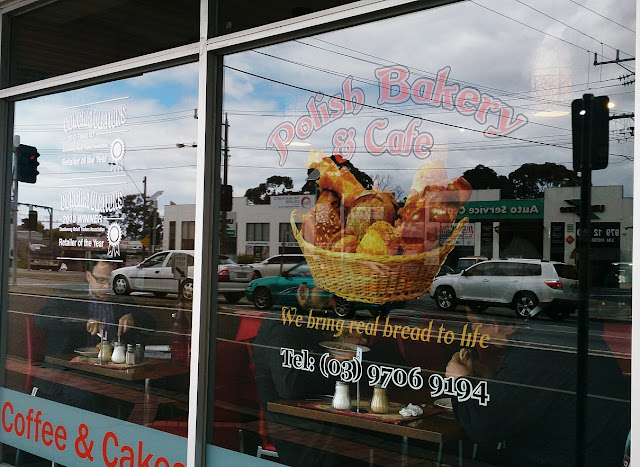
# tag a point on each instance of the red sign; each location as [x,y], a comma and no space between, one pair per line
[570,239]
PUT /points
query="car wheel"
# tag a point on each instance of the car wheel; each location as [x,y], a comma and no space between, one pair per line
[343,308]
[186,289]
[160,294]
[262,298]
[446,298]
[121,285]
[233,297]
[382,310]
[525,303]
[478,307]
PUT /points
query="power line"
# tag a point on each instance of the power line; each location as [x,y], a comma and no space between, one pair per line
[531,27]
[602,16]
[565,24]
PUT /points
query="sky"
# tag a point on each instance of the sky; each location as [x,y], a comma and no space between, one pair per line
[525,57]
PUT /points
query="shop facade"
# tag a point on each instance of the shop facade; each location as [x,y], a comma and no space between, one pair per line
[380,139]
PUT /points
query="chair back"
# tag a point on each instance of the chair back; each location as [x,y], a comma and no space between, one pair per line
[36,346]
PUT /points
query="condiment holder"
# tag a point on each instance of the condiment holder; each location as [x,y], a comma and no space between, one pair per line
[341,398]
[379,401]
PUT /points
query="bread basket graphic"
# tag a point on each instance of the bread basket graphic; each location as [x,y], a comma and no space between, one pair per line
[374,278]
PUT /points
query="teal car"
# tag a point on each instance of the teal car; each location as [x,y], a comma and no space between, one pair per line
[283,290]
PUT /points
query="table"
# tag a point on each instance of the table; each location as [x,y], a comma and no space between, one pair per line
[433,428]
[145,405]
[152,368]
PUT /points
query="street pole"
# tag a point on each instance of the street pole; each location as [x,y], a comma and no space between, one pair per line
[144,210]
[223,234]
[15,222]
[584,276]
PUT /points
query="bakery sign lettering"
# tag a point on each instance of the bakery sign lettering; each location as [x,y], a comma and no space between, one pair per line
[395,86]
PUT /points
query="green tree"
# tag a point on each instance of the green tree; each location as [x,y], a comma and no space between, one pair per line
[137,218]
[482,177]
[531,180]
[275,185]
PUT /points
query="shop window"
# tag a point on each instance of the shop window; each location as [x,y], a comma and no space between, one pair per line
[99,337]
[387,152]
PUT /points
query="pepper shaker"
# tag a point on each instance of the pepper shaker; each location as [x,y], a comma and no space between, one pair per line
[139,353]
[131,356]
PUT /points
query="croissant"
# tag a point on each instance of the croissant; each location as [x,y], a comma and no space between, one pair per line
[341,181]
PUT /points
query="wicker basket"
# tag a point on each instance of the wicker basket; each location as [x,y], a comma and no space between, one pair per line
[374,278]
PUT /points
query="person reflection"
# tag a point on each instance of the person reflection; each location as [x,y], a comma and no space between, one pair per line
[77,323]
[73,323]
[317,445]
[532,402]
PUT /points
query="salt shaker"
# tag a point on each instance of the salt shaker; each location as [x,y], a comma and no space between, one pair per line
[118,355]
[131,356]
[341,399]
[379,401]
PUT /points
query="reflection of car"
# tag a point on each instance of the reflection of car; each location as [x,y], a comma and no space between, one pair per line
[275,265]
[444,270]
[468,261]
[283,290]
[156,274]
[522,284]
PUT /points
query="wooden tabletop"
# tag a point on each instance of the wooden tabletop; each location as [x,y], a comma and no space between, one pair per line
[436,428]
[151,368]
[145,405]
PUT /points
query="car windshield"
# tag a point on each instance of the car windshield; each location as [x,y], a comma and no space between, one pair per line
[225,260]
[301,270]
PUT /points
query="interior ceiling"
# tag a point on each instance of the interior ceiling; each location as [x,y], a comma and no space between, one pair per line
[72,35]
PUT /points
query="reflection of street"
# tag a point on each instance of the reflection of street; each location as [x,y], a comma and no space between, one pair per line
[560,335]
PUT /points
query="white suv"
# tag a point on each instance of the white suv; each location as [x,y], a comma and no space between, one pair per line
[526,285]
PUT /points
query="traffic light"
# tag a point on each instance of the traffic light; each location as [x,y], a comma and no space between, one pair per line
[590,128]
[33,220]
[226,198]
[27,163]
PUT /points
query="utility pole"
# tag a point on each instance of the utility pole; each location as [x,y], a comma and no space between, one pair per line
[225,171]
[144,211]
[16,143]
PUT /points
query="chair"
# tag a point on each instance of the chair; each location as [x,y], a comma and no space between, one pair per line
[247,331]
[36,346]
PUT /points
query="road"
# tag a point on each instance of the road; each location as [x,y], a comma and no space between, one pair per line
[33,287]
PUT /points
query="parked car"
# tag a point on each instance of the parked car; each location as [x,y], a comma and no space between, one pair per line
[275,265]
[283,290]
[522,284]
[155,274]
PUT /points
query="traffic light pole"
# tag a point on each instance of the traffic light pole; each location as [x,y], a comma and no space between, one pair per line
[584,275]
[15,224]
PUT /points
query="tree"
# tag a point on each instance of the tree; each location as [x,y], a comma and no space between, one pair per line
[275,185]
[530,180]
[387,183]
[137,218]
[482,177]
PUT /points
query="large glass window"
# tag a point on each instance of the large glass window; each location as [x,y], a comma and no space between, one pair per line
[99,317]
[397,151]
